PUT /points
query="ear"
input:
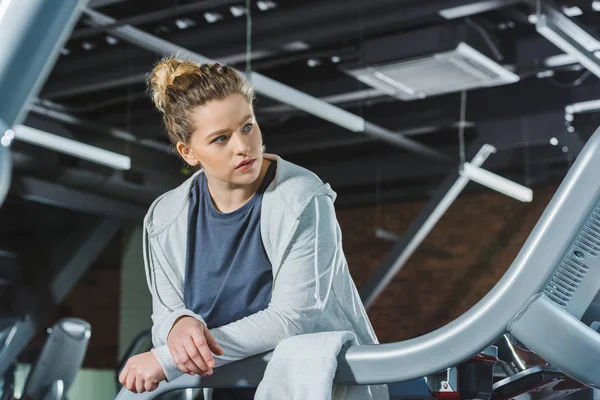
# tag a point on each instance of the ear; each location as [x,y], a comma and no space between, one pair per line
[187,154]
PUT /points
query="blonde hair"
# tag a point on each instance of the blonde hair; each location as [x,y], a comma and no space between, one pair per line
[177,86]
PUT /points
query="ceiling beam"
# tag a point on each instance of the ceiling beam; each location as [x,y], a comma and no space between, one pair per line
[314,23]
[47,192]
[154,16]
[103,3]
[275,90]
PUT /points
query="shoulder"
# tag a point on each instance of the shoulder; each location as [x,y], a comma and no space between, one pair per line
[296,186]
[168,207]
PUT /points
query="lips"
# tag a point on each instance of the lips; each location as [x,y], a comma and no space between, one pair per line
[245,162]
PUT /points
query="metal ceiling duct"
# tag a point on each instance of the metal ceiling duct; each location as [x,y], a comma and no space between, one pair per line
[432,62]
[569,37]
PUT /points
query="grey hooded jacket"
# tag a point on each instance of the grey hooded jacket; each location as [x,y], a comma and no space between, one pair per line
[312,287]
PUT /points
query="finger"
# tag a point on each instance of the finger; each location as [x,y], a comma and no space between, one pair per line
[183,368]
[212,343]
[130,383]
[123,374]
[139,385]
[174,355]
[195,357]
[202,346]
[191,367]
[182,359]
[150,386]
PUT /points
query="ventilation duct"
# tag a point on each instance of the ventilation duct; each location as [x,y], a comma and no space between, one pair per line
[570,38]
[431,62]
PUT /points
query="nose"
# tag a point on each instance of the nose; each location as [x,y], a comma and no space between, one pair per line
[241,144]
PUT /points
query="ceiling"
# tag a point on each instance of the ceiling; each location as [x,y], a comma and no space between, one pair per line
[96,94]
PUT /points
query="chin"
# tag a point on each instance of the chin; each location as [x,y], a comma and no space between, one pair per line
[248,178]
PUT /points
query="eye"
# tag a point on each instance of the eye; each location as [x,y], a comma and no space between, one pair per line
[247,128]
[220,139]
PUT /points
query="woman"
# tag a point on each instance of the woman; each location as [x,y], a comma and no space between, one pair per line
[245,253]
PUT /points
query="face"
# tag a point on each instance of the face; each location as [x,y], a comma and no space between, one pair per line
[227,141]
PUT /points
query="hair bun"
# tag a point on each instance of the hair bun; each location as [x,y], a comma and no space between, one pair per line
[163,76]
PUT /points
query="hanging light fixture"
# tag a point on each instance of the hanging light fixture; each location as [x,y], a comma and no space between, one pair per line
[71,147]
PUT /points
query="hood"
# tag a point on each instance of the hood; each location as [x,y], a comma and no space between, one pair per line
[295,185]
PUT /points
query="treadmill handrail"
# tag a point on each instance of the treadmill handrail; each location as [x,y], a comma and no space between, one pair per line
[483,323]
[5,164]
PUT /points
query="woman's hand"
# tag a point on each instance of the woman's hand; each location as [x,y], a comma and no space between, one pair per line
[191,343]
[142,373]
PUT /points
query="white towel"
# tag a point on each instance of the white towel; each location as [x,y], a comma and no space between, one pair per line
[303,367]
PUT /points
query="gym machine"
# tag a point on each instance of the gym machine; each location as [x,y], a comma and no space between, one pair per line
[539,303]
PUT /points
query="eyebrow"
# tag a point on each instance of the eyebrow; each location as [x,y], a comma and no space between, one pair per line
[219,132]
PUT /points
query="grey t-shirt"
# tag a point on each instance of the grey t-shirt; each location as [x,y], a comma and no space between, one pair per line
[228,274]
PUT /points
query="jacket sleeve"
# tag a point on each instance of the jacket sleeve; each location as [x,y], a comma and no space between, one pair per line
[300,290]
[167,306]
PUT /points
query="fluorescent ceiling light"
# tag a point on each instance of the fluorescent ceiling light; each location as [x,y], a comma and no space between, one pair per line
[472,9]
[544,74]
[572,11]
[596,5]
[265,5]
[496,182]
[237,11]
[585,106]
[212,17]
[88,46]
[185,23]
[559,60]
[313,62]
[72,147]
[111,40]
[386,235]
[297,45]
[240,57]
[570,38]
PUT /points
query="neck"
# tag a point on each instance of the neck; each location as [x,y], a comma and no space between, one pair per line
[227,197]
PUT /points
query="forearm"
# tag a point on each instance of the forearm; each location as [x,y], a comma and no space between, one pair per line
[259,332]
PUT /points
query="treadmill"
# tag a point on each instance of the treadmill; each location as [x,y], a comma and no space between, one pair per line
[539,303]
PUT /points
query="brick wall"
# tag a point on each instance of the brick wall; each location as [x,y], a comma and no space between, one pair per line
[458,263]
